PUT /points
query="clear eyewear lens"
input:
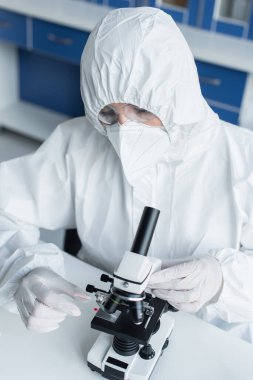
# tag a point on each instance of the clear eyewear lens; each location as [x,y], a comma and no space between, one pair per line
[108,115]
[138,114]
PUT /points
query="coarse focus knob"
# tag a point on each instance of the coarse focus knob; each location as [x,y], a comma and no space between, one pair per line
[147,352]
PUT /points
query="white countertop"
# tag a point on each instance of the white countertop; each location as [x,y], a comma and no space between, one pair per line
[207,46]
[197,350]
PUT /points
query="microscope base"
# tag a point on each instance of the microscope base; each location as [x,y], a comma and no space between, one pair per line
[103,359]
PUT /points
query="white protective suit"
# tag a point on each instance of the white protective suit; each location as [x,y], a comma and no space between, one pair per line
[203,184]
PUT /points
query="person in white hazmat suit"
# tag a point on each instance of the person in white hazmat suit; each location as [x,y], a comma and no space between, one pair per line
[148,138]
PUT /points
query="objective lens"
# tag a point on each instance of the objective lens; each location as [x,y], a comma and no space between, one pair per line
[137,312]
[112,304]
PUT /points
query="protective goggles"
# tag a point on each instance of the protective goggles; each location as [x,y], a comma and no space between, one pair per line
[109,115]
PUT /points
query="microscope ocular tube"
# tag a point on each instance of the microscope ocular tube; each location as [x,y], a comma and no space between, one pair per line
[145,231]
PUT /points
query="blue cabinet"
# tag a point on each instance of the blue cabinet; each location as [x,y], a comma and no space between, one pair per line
[221,84]
[223,89]
[225,114]
[49,71]
[232,17]
[184,11]
[58,41]
[13,27]
[120,3]
[50,74]
[51,83]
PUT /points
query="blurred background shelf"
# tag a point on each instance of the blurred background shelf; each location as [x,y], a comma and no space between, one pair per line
[41,45]
[30,120]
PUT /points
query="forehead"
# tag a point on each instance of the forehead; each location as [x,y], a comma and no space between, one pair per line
[116,106]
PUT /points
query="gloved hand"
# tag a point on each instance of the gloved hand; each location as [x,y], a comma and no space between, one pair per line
[44,299]
[189,285]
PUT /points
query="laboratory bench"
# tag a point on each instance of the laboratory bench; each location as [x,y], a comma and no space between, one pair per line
[40,48]
[196,351]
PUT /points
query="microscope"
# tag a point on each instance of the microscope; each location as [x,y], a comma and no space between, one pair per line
[135,326]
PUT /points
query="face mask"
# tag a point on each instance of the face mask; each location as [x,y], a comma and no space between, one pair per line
[138,146]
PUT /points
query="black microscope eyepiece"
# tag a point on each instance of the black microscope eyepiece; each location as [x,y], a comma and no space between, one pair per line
[145,231]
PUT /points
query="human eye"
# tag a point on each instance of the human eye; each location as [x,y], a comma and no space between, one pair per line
[142,111]
[106,111]
[139,110]
[107,116]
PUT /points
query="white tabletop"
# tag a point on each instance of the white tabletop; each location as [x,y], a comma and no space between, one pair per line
[197,350]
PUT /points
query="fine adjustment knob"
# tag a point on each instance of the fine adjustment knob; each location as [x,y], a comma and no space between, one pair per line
[147,352]
[165,344]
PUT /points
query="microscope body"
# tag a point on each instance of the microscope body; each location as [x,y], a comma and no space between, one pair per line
[103,359]
[135,326]
[133,336]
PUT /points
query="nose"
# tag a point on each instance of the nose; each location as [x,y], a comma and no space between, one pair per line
[122,118]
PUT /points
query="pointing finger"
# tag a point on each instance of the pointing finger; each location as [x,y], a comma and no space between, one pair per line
[58,301]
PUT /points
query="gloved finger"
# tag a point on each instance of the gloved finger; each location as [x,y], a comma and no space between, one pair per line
[173,273]
[23,314]
[172,284]
[37,324]
[175,296]
[167,263]
[187,283]
[192,281]
[57,301]
[25,301]
[64,286]
[163,295]
[60,302]
[31,306]
[189,307]
[43,311]
[47,329]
